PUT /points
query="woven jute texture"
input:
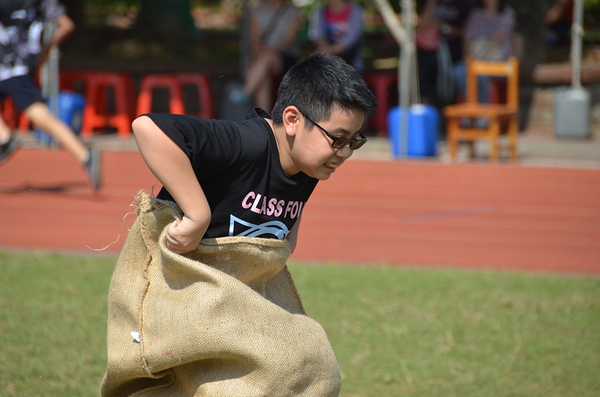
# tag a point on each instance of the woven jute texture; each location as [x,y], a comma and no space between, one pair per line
[224,320]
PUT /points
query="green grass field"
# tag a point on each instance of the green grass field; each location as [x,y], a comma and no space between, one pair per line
[396,331]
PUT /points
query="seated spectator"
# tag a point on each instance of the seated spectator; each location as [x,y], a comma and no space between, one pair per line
[439,46]
[274,48]
[452,16]
[559,19]
[336,28]
[488,36]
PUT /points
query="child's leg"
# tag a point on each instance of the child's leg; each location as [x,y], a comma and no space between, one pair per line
[263,68]
[5,132]
[8,142]
[41,117]
[264,95]
[460,78]
[484,83]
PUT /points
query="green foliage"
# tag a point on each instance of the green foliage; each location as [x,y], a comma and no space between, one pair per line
[115,3]
[591,3]
[395,331]
[591,10]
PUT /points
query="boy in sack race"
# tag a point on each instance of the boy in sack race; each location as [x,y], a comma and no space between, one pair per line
[201,302]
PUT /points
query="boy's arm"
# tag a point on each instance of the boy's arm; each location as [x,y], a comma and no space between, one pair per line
[64,28]
[171,166]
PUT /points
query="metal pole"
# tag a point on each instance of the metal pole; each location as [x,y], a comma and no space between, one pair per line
[49,71]
[576,35]
[404,74]
[572,106]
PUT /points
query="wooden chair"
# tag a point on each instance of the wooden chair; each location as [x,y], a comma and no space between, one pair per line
[503,118]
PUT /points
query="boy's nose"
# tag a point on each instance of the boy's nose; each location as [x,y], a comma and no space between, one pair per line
[344,152]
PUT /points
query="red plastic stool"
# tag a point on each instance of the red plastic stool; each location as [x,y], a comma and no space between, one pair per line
[151,81]
[205,96]
[9,113]
[74,80]
[13,117]
[382,84]
[95,114]
[24,123]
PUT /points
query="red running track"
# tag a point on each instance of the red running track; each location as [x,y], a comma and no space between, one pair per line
[370,212]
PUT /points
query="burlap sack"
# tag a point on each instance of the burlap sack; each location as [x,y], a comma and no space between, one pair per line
[224,320]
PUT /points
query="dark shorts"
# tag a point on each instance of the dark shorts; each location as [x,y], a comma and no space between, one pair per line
[23,91]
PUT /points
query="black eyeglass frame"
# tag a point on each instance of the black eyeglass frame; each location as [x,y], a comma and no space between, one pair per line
[354,144]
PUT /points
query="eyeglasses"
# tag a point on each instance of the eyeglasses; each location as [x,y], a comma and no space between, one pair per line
[340,143]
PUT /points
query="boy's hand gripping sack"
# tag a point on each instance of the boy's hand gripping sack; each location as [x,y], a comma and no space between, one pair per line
[223,320]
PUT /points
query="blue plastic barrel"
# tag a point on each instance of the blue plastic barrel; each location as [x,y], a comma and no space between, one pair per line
[70,108]
[423,131]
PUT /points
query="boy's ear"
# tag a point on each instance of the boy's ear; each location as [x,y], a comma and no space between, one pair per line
[292,120]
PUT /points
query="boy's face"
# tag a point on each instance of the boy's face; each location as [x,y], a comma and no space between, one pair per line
[312,152]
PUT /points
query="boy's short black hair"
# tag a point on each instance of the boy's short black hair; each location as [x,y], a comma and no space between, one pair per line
[318,83]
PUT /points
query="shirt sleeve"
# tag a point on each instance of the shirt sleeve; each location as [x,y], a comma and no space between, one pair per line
[211,145]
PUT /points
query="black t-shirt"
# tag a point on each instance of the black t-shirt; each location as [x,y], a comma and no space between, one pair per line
[238,167]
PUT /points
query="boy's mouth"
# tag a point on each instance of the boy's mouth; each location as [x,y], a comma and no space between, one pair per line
[332,165]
